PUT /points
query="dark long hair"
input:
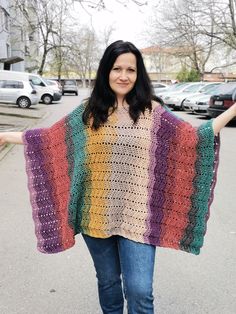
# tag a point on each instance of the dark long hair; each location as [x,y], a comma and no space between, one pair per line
[103,98]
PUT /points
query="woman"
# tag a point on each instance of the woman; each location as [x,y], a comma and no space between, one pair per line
[126,173]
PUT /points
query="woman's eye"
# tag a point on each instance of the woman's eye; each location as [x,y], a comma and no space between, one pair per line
[131,70]
[116,69]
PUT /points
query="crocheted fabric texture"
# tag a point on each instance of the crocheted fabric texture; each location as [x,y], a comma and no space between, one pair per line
[151,182]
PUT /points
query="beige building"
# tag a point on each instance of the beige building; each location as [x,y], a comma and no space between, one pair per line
[219,77]
[18,38]
[163,64]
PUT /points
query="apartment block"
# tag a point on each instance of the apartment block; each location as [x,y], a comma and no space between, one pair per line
[18,39]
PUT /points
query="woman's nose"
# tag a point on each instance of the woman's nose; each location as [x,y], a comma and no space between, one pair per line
[123,75]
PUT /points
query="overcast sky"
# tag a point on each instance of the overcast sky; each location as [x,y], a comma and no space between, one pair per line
[130,22]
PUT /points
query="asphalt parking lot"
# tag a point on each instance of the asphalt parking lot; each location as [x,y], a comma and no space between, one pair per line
[65,283]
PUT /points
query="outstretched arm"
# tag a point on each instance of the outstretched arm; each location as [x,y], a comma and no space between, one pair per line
[11,137]
[224,118]
[218,124]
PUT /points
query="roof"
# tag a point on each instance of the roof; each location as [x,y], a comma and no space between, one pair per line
[11,60]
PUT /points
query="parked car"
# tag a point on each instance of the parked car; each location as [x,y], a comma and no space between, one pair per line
[222,100]
[18,92]
[201,106]
[171,89]
[203,96]
[54,83]
[176,101]
[70,86]
[159,87]
[46,92]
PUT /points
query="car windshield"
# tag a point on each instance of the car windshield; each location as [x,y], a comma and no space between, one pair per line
[227,88]
[193,88]
[177,86]
[213,90]
[208,87]
[70,83]
[38,81]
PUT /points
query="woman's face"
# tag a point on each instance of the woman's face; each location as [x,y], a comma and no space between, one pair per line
[123,74]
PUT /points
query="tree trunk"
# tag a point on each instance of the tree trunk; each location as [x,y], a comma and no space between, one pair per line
[41,68]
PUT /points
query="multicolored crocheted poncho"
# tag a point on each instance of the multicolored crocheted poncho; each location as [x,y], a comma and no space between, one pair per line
[151,182]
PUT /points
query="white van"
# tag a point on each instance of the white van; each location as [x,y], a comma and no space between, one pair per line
[47,93]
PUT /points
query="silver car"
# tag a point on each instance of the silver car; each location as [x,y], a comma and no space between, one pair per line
[18,92]
[199,104]
[54,83]
[70,86]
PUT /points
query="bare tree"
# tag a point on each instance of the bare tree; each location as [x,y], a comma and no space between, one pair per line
[61,41]
[178,27]
[48,18]
[84,54]
[222,15]
[106,35]
[102,4]
[4,18]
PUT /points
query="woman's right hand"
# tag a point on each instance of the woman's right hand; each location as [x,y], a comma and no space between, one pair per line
[11,137]
[2,139]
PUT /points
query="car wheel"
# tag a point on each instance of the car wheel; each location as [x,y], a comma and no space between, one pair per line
[47,99]
[76,93]
[23,102]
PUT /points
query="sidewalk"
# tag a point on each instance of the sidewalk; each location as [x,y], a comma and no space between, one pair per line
[13,119]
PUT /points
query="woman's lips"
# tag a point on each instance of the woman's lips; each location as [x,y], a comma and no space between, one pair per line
[123,84]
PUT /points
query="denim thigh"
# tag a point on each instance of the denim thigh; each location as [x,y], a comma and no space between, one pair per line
[135,261]
[104,253]
[137,267]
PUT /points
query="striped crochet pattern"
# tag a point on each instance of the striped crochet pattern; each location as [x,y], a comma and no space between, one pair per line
[151,182]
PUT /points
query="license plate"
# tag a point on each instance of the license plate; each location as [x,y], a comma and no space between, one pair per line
[218,103]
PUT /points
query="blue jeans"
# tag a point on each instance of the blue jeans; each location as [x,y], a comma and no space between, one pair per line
[116,256]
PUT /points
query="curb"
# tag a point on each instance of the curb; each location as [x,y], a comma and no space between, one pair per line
[22,113]
[18,115]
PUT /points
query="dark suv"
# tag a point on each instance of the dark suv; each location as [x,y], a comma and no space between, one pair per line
[70,86]
[223,100]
